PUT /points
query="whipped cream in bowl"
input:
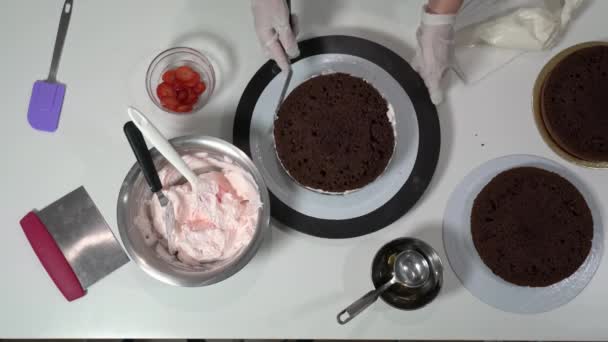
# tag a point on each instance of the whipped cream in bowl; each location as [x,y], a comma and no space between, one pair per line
[217,231]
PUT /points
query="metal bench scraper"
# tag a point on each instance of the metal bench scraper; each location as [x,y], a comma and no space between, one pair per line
[73,242]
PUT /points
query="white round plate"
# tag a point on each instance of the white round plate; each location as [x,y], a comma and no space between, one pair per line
[477,277]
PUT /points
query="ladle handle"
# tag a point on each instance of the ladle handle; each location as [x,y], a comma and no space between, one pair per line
[362,303]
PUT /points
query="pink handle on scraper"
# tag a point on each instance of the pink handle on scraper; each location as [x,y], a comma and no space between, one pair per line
[51,257]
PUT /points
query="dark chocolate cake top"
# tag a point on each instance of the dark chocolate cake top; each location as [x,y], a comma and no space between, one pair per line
[531,227]
[333,134]
[575,103]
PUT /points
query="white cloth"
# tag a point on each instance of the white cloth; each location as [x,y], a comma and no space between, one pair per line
[492,33]
[515,24]
[271,18]
[435,51]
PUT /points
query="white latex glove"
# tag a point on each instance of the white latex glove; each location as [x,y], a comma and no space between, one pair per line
[271,18]
[435,50]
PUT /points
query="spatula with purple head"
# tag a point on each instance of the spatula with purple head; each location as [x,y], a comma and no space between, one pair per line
[47,95]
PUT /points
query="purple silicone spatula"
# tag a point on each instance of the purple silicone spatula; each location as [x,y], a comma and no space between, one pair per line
[47,95]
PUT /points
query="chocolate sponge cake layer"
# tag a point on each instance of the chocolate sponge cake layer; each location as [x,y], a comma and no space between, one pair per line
[332,133]
[531,227]
[574,103]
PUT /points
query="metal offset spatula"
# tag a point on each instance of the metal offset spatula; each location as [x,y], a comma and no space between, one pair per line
[73,242]
[146,164]
[47,95]
[288,73]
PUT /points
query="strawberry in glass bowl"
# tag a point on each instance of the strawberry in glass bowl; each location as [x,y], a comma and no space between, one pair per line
[180,80]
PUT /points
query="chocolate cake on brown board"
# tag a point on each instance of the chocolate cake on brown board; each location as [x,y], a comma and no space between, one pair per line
[531,227]
[574,103]
[332,133]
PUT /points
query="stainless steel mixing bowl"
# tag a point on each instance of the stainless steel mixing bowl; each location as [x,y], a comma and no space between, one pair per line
[134,191]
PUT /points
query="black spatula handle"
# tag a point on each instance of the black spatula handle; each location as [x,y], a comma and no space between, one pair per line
[140,149]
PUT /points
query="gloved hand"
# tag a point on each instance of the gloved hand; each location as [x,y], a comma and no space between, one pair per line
[271,18]
[435,50]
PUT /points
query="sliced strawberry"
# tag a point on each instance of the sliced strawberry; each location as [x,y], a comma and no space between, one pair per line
[192,97]
[193,81]
[178,86]
[182,95]
[170,103]
[165,90]
[199,88]
[184,73]
[184,108]
[169,76]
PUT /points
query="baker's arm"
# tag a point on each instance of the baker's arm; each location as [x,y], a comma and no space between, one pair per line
[435,50]
[274,31]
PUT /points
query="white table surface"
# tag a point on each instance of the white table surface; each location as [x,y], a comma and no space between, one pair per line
[296,284]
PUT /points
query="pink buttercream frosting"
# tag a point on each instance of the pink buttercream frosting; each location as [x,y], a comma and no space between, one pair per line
[213,224]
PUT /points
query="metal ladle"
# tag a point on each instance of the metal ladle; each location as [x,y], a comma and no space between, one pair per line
[411,270]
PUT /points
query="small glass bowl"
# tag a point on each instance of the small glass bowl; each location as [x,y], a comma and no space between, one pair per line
[176,57]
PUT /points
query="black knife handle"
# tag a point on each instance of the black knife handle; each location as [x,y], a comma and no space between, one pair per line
[289,12]
[144,159]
